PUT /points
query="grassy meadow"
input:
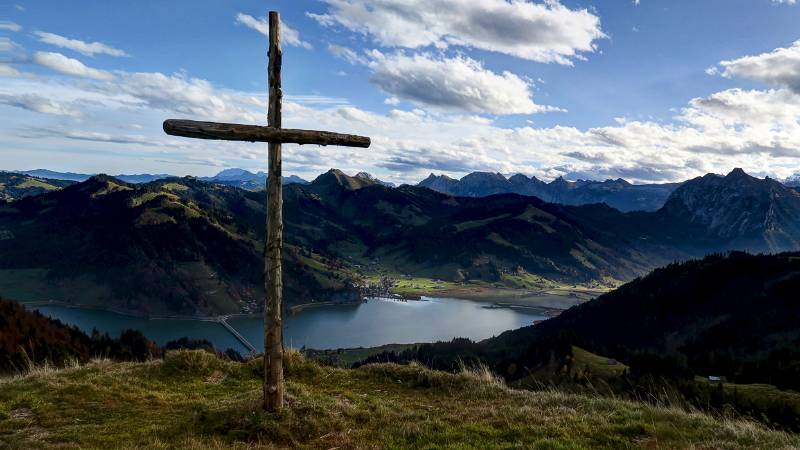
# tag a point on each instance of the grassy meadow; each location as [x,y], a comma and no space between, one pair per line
[192,399]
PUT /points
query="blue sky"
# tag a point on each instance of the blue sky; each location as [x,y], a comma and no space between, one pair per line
[655,91]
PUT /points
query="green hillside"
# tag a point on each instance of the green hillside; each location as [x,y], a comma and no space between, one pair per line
[185,246]
[731,316]
[14,186]
[191,399]
[177,246]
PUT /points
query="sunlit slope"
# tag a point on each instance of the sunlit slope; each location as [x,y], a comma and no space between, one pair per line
[176,246]
[194,400]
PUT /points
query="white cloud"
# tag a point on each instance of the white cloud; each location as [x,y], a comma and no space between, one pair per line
[7,45]
[9,71]
[780,67]
[750,129]
[9,26]
[69,66]
[459,83]
[85,48]
[40,104]
[545,32]
[191,97]
[90,136]
[753,129]
[752,108]
[288,34]
[734,128]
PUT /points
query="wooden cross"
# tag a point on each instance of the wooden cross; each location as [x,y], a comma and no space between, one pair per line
[275,135]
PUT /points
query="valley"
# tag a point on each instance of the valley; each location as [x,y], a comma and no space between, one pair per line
[183,246]
[400,224]
[543,295]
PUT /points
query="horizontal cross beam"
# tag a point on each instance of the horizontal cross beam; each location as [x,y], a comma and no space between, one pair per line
[256,133]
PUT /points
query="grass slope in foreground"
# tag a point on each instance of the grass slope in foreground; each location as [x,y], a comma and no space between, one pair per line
[192,399]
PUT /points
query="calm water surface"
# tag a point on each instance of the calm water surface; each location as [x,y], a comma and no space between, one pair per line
[376,322]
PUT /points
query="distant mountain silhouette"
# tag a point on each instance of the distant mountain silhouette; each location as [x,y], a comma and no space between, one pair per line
[793,181]
[245,179]
[372,179]
[335,179]
[738,211]
[231,177]
[70,176]
[617,193]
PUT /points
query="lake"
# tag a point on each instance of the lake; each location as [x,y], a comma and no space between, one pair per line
[376,322]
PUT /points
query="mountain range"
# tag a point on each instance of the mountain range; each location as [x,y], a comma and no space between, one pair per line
[793,181]
[248,180]
[71,176]
[231,177]
[739,210]
[183,245]
[257,181]
[618,193]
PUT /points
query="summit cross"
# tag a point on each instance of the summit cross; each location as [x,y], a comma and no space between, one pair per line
[275,136]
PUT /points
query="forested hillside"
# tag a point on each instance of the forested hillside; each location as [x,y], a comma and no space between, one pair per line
[29,339]
[185,246]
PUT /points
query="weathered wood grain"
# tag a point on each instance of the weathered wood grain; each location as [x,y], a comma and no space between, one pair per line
[256,133]
[273,272]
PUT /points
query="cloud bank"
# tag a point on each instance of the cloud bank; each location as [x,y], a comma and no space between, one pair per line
[444,131]
[546,32]
[780,67]
[459,83]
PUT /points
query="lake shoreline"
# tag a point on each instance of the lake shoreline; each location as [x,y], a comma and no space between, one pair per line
[495,298]
[138,315]
[551,299]
[544,299]
[379,321]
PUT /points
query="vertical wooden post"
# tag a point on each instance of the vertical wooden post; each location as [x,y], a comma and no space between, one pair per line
[273,322]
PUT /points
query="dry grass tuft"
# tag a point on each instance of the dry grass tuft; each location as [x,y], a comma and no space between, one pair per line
[194,400]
